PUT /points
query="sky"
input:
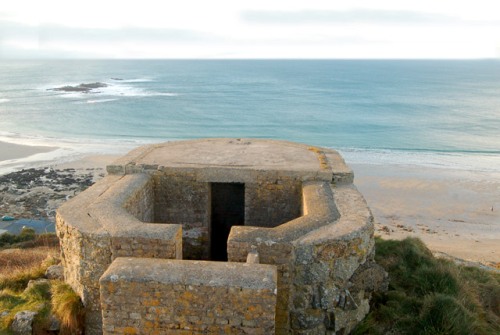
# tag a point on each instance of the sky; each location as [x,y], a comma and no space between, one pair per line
[401,29]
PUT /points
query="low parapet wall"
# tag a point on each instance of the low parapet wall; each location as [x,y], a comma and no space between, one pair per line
[95,228]
[317,256]
[145,296]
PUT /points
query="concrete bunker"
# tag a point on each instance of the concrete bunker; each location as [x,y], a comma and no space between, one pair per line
[138,246]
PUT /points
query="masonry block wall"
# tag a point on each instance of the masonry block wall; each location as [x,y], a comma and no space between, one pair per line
[141,296]
[181,199]
[141,202]
[318,258]
[272,201]
[95,228]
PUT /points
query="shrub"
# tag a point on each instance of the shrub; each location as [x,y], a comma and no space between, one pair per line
[431,296]
[27,234]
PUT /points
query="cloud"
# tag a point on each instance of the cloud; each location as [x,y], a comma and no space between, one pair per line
[46,33]
[51,40]
[347,17]
[125,34]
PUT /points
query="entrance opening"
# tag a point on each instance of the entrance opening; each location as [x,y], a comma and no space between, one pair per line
[228,209]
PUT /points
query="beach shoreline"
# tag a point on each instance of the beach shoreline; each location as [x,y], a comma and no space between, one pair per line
[31,196]
[9,151]
[455,212]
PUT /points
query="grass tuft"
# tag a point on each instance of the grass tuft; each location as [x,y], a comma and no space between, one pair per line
[67,307]
[431,296]
[443,314]
[17,268]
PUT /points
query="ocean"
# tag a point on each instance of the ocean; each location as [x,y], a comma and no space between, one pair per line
[437,113]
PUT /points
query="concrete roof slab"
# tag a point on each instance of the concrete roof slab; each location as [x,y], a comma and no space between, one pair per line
[247,154]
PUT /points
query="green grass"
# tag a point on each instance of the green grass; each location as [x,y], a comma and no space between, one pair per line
[17,268]
[431,296]
[67,307]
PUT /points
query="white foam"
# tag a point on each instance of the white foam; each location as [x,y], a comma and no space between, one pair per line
[130,91]
[4,100]
[68,149]
[485,162]
[168,94]
[96,101]
[137,80]
[114,88]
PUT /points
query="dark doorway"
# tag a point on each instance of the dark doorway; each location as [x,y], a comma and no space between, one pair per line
[228,209]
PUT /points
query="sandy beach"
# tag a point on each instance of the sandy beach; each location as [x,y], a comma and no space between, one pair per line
[454,212]
[15,151]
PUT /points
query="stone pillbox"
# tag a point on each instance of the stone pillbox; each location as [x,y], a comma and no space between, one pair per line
[160,245]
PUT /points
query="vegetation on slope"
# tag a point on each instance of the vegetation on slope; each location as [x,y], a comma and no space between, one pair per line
[431,296]
[426,295]
[27,234]
[17,268]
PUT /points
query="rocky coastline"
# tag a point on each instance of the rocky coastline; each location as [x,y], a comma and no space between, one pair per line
[33,195]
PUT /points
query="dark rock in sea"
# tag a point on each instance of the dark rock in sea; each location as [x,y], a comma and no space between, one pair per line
[83,88]
[116,78]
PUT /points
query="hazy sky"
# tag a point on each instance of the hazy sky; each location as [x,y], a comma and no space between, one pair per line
[250,29]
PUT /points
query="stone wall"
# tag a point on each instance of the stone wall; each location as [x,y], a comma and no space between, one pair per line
[85,251]
[144,296]
[269,203]
[91,239]
[317,256]
[141,203]
[180,199]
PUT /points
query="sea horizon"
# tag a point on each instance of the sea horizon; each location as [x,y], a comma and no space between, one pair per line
[435,113]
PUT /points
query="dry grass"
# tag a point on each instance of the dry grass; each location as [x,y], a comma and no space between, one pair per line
[67,307]
[13,261]
[19,266]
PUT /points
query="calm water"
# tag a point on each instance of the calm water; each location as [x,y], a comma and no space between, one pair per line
[438,113]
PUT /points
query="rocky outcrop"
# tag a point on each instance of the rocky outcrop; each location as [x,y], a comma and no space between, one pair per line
[37,193]
[55,272]
[82,88]
[23,323]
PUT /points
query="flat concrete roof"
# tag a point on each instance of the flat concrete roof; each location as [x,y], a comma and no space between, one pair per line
[251,154]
